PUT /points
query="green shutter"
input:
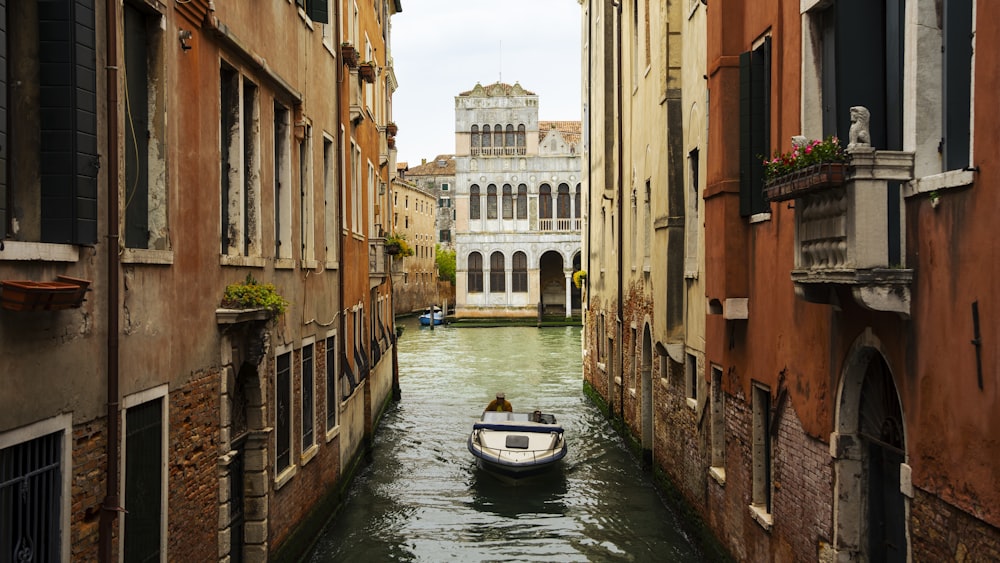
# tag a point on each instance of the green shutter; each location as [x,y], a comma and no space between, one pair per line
[68,106]
[745,134]
[957,82]
[318,11]
[760,117]
[3,119]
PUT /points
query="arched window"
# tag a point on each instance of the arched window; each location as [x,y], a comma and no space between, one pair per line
[522,201]
[497,135]
[544,202]
[486,136]
[491,201]
[519,274]
[497,273]
[562,202]
[509,141]
[474,201]
[475,137]
[520,136]
[508,202]
[475,272]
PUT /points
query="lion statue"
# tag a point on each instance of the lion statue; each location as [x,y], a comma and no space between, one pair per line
[859,135]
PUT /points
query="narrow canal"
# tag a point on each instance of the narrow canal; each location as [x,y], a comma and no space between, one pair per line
[423,499]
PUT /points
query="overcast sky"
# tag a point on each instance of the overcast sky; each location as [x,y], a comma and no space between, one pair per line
[441,48]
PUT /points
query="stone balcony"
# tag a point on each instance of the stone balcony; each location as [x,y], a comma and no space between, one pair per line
[378,259]
[842,234]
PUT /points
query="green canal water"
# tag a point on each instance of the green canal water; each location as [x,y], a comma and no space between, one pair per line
[423,499]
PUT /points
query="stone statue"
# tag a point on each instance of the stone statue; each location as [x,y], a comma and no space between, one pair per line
[859,134]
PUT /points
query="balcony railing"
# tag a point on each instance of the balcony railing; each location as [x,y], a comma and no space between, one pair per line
[498,151]
[842,233]
[559,224]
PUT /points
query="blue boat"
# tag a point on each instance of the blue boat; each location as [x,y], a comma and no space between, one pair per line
[425,318]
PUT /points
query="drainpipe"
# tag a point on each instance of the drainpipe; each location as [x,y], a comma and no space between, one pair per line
[110,508]
[342,344]
[619,354]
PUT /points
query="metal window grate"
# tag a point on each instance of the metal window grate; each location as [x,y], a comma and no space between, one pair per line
[30,500]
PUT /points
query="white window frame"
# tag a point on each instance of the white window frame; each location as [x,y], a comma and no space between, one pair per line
[160,392]
[60,423]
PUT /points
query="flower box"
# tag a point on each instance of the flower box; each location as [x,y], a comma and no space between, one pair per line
[23,295]
[805,180]
[367,72]
[349,54]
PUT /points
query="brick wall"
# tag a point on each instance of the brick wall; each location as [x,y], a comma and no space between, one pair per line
[803,486]
[88,488]
[292,503]
[942,532]
[192,458]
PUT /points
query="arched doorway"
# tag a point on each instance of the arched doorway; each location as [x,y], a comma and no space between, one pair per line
[870,446]
[552,282]
[646,415]
[246,473]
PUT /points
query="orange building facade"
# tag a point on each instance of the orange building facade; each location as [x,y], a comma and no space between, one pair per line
[845,405]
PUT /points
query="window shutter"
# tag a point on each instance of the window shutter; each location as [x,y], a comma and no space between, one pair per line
[957,82]
[318,11]
[760,122]
[3,120]
[68,104]
[745,134]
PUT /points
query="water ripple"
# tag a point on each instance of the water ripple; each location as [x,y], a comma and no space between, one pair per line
[423,499]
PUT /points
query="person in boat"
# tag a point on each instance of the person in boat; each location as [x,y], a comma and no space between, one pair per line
[500,404]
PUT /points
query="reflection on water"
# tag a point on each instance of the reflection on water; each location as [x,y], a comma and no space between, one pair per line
[424,499]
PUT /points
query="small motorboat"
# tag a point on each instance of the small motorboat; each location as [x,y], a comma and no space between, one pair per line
[425,318]
[515,444]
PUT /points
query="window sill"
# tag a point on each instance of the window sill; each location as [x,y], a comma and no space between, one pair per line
[943,181]
[144,256]
[40,251]
[765,519]
[310,264]
[284,264]
[335,265]
[307,455]
[245,261]
[760,218]
[718,474]
[691,403]
[285,476]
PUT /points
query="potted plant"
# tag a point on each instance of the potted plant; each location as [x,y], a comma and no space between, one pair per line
[579,278]
[253,295]
[391,141]
[367,71]
[396,245]
[809,165]
[391,128]
[349,54]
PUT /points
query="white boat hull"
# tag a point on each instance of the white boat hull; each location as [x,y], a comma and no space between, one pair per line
[513,445]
